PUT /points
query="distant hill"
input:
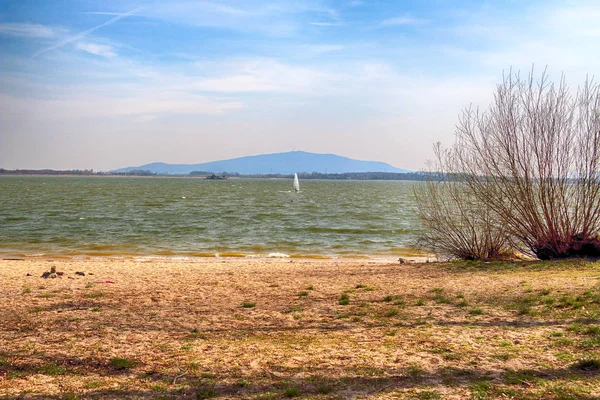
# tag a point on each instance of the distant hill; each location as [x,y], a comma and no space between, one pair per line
[278,163]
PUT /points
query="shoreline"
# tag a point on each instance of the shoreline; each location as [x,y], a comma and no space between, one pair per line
[409,256]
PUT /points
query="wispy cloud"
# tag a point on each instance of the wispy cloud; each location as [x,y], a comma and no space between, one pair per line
[324,48]
[97,49]
[403,20]
[138,107]
[263,75]
[27,30]
[355,3]
[326,23]
[102,13]
[87,32]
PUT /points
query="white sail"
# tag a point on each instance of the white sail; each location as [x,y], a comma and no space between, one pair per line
[296,183]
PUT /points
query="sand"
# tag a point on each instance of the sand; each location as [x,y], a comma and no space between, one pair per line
[262,328]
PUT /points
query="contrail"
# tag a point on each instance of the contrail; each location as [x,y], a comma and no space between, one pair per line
[85,33]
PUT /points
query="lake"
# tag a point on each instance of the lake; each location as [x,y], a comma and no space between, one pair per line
[192,217]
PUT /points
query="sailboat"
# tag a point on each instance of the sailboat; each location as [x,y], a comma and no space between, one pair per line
[296,183]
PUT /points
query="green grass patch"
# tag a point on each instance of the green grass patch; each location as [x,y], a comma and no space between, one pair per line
[119,363]
[390,312]
[480,390]
[94,295]
[581,329]
[205,392]
[588,364]
[428,395]
[159,388]
[195,334]
[344,299]
[441,299]
[291,392]
[248,304]
[52,369]
[476,311]
[303,294]
[519,377]
[502,356]
[324,389]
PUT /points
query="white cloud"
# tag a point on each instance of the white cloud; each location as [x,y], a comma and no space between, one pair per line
[563,38]
[278,18]
[97,49]
[323,48]
[27,30]
[83,34]
[404,20]
[139,106]
[262,75]
[326,23]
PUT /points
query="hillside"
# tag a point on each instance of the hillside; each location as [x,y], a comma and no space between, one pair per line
[278,163]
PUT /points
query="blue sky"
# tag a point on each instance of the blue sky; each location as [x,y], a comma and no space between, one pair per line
[109,84]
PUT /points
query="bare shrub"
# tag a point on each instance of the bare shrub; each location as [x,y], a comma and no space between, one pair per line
[532,159]
[456,224]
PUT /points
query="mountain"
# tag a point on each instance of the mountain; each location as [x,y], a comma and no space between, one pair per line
[278,163]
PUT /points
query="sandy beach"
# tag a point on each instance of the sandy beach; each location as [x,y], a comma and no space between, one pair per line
[322,329]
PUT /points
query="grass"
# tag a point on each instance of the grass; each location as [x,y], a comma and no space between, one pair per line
[481,390]
[344,299]
[391,312]
[205,392]
[428,395]
[119,363]
[291,392]
[303,294]
[428,331]
[52,369]
[588,364]
[94,295]
[462,303]
[196,335]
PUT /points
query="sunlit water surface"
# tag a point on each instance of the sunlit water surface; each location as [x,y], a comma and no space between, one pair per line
[188,217]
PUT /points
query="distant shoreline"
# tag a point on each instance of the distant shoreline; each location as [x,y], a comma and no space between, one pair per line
[372,176]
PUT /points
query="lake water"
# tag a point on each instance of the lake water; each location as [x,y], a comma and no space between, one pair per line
[189,217]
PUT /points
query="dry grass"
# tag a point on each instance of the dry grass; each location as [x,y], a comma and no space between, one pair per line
[181,330]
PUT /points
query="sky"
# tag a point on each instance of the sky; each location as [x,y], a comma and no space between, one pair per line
[107,84]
